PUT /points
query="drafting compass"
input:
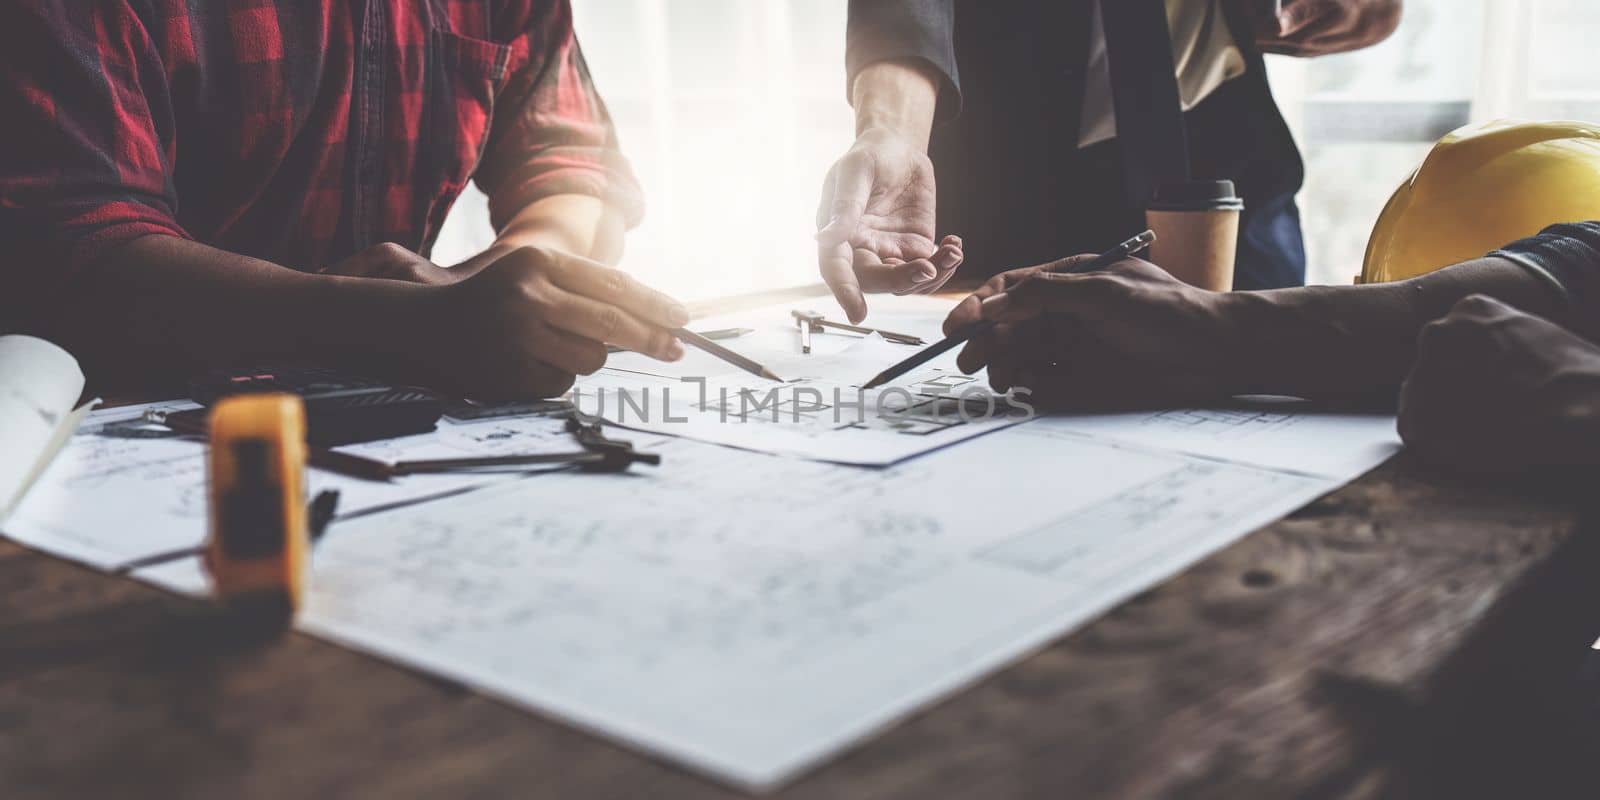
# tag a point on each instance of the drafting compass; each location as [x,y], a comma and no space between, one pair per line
[599,453]
[810,322]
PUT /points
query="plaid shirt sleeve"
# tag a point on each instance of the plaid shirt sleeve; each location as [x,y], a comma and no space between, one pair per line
[551,132]
[87,162]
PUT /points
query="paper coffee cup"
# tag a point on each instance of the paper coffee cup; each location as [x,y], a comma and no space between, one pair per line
[1197,231]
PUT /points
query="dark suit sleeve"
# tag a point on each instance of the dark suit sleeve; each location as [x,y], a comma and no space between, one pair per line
[910,30]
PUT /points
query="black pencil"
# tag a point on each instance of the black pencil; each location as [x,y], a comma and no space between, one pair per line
[933,351]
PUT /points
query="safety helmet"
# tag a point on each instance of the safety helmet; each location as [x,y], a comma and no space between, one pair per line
[1482,187]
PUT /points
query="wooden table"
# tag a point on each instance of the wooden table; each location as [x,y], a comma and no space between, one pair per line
[1408,634]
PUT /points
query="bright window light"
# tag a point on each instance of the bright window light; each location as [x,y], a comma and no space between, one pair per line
[732,110]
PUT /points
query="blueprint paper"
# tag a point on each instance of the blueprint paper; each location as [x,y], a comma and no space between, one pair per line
[813,418]
[39,386]
[775,340]
[750,615]
[1265,433]
[108,500]
[818,411]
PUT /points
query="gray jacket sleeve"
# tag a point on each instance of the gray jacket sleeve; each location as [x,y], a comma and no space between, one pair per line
[909,30]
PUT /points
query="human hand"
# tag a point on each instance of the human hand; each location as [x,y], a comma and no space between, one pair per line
[876,223]
[1321,27]
[528,323]
[390,261]
[1497,390]
[1130,334]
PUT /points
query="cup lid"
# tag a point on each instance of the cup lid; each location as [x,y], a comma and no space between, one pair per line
[1203,195]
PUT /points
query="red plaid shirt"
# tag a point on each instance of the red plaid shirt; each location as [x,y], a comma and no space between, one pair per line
[297,132]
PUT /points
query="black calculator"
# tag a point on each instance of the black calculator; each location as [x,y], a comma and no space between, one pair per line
[340,408]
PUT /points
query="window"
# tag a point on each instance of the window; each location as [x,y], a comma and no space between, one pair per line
[1365,119]
[732,110]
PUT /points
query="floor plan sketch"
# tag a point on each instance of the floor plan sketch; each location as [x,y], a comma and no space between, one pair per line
[818,605]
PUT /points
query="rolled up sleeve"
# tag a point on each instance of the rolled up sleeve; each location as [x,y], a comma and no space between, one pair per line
[1569,256]
[551,132]
[87,161]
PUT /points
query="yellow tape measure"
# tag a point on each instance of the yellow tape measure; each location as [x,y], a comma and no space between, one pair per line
[259,542]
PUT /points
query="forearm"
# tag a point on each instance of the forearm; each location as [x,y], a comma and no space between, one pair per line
[899,96]
[582,225]
[1352,343]
[160,309]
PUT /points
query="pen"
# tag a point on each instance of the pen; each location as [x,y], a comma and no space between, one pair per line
[718,334]
[899,338]
[1099,262]
[726,333]
[322,511]
[696,340]
[319,515]
[809,323]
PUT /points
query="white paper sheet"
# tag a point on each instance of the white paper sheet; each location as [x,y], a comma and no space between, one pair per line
[775,340]
[750,615]
[818,411]
[109,500]
[39,386]
[744,613]
[811,418]
[1266,433]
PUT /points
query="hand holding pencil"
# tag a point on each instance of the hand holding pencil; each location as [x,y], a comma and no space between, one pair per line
[971,326]
[1127,334]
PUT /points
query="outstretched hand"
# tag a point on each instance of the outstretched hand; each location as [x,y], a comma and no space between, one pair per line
[876,224]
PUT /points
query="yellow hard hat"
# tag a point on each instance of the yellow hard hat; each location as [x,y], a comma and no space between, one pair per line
[1482,187]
